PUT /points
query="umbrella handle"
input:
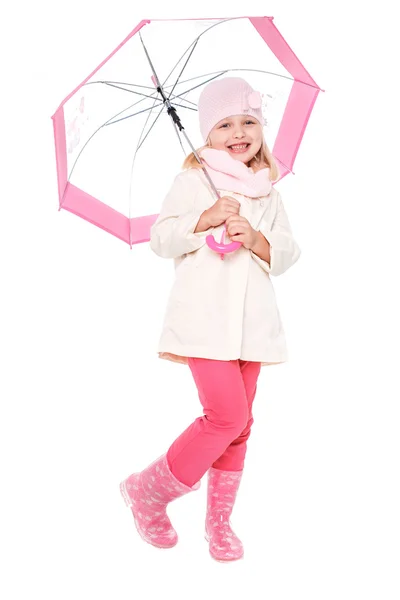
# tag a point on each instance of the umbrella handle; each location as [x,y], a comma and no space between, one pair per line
[220,247]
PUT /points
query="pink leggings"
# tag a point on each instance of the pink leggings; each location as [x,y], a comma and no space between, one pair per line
[218,439]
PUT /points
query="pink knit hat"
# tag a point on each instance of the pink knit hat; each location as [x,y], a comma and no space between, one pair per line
[227,97]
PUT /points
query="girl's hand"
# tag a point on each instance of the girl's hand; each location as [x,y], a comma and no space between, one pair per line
[240,230]
[221,210]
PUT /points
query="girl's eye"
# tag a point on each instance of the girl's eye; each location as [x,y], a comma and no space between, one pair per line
[247,123]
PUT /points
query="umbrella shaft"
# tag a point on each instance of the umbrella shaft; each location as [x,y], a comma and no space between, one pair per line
[173,114]
[210,181]
[170,109]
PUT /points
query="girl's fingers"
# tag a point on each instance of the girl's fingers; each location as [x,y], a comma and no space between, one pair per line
[232,212]
[237,222]
[237,238]
[232,201]
[232,204]
[235,230]
[235,219]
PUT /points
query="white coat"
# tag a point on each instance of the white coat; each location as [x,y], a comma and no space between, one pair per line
[221,309]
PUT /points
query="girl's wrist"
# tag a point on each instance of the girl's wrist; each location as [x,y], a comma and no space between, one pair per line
[203,223]
[257,240]
[262,247]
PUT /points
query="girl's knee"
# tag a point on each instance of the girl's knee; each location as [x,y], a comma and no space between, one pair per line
[234,419]
[241,418]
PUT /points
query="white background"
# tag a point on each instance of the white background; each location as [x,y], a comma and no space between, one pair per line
[84,399]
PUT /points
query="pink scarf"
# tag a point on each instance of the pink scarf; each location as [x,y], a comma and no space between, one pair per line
[232,175]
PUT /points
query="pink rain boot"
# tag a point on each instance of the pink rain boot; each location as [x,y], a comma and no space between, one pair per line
[221,494]
[147,494]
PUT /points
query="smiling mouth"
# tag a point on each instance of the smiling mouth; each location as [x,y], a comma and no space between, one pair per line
[238,147]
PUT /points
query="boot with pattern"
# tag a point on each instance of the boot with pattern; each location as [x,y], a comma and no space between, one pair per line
[147,494]
[221,494]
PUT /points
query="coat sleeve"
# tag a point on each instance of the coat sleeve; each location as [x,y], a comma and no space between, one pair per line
[284,249]
[172,234]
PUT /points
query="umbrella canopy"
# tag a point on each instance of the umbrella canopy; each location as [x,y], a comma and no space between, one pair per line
[121,136]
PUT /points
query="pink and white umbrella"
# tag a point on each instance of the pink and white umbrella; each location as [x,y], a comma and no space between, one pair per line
[116,150]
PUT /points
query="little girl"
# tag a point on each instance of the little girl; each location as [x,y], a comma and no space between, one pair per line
[221,319]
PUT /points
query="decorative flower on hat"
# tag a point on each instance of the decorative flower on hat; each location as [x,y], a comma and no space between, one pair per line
[254,100]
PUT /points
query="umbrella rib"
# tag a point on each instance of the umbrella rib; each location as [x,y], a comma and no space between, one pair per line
[117,85]
[129,116]
[109,122]
[195,42]
[125,90]
[182,106]
[146,87]
[200,84]
[184,66]
[140,144]
[206,31]
[149,59]
[219,73]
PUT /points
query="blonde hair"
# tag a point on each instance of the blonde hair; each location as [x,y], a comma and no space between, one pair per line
[262,159]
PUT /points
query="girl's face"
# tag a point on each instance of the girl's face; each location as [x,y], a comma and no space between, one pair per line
[241,136]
